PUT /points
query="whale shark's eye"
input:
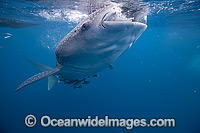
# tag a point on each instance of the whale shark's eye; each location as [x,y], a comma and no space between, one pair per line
[85,26]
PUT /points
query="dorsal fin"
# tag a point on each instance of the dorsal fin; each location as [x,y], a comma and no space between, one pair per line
[37,77]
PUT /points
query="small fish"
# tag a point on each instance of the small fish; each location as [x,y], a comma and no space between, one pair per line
[96,75]
[77,83]
[69,82]
[7,36]
[84,79]
[61,80]
[86,82]
[79,86]
[1,46]
[111,66]
[58,76]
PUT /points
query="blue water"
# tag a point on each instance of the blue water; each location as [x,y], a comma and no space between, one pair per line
[157,78]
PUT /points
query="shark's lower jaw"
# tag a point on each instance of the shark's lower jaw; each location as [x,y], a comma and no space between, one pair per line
[143,20]
[123,25]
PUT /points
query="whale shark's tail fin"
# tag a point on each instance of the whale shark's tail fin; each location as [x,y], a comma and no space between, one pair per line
[47,72]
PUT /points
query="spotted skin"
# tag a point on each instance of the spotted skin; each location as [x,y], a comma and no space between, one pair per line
[37,77]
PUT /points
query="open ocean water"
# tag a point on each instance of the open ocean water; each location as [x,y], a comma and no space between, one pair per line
[159,77]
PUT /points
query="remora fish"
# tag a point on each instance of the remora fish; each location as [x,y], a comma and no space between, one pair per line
[91,46]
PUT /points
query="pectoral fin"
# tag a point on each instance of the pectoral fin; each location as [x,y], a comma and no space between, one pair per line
[37,77]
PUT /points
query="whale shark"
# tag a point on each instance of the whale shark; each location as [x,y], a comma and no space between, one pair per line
[93,45]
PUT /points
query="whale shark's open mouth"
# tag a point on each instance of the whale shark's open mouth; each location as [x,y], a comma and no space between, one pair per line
[116,15]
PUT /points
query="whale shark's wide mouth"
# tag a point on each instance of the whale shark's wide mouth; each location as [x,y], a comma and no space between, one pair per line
[119,18]
[117,13]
